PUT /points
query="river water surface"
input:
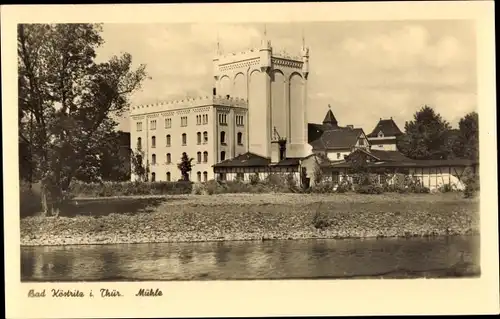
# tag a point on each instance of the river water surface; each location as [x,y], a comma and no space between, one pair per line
[288,259]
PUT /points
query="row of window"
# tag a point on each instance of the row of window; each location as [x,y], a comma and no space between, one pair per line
[198,157]
[169,176]
[200,119]
[239,138]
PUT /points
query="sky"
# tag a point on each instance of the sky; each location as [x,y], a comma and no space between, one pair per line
[365,70]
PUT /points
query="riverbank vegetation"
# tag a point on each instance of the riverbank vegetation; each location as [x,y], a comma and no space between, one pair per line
[253,217]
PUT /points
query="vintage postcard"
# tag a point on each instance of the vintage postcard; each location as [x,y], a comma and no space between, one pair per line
[249,159]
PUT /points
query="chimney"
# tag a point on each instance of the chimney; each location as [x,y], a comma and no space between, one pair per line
[350,127]
[214,91]
[227,96]
[278,150]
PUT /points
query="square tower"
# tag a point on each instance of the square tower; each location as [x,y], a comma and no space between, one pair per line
[275,86]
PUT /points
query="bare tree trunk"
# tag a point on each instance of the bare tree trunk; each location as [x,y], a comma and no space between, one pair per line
[45,206]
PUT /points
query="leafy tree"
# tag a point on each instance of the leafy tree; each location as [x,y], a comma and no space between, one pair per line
[66,100]
[139,168]
[467,142]
[426,137]
[185,166]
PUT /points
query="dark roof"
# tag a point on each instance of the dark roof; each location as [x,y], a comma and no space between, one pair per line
[389,155]
[330,119]
[314,131]
[337,139]
[245,160]
[253,160]
[384,141]
[291,161]
[411,163]
[388,127]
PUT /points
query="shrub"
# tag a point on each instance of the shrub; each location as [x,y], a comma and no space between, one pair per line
[446,188]
[405,184]
[323,188]
[254,179]
[369,189]
[130,188]
[291,182]
[29,200]
[472,183]
[321,220]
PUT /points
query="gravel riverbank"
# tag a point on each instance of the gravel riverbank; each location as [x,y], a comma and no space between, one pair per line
[190,218]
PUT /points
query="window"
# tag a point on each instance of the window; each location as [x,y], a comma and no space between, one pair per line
[139,142]
[152,124]
[153,141]
[153,159]
[338,155]
[168,176]
[169,158]
[240,138]
[169,140]
[139,126]
[223,119]
[198,138]
[239,120]
[198,175]
[222,155]
[361,142]
[198,119]
[153,177]
[205,118]
[240,176]
[198,157]
[205,176]
[184,121]
[184,139]
[205,137]
[168,123]
[380,134]
[223,137]
[205,157]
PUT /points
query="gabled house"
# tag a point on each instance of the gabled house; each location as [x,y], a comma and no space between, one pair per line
[335,141]
[384,135]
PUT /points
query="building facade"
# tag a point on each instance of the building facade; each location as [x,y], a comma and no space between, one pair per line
[208,129]
[384,135]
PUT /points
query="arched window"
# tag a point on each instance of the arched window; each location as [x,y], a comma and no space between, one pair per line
[198,157]
[169,158]
[222,155]
[205,157]
[240,138]
[139,142]
[198,138]
[198,175]
[153,141]
[205,137]
[205,176]
[168,176]
[153,159]
[184,139]
[223,137]
[168,140]
[153,177]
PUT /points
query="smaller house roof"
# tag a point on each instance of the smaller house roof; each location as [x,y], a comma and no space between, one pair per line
[244,160]
[337,139]
[389,155]
[388,128]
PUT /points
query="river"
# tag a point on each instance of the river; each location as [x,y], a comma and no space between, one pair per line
[453,256]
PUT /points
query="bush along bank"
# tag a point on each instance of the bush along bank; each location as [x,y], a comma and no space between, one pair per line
[233,217]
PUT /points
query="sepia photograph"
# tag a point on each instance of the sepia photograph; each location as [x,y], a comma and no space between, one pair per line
[247,151]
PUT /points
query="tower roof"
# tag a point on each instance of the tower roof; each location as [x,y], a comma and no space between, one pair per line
[330,118]
[388,128]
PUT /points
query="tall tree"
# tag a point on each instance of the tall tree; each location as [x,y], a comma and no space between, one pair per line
[139,168]
[467,141]
[66,99]
[185,166]
[426,137]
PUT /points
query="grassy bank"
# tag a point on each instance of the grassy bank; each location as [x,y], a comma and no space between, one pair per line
[253,217]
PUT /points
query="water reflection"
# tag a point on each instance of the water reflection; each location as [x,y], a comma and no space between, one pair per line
[445,256]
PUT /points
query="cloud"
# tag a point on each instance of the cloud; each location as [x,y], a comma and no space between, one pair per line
[365,70]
